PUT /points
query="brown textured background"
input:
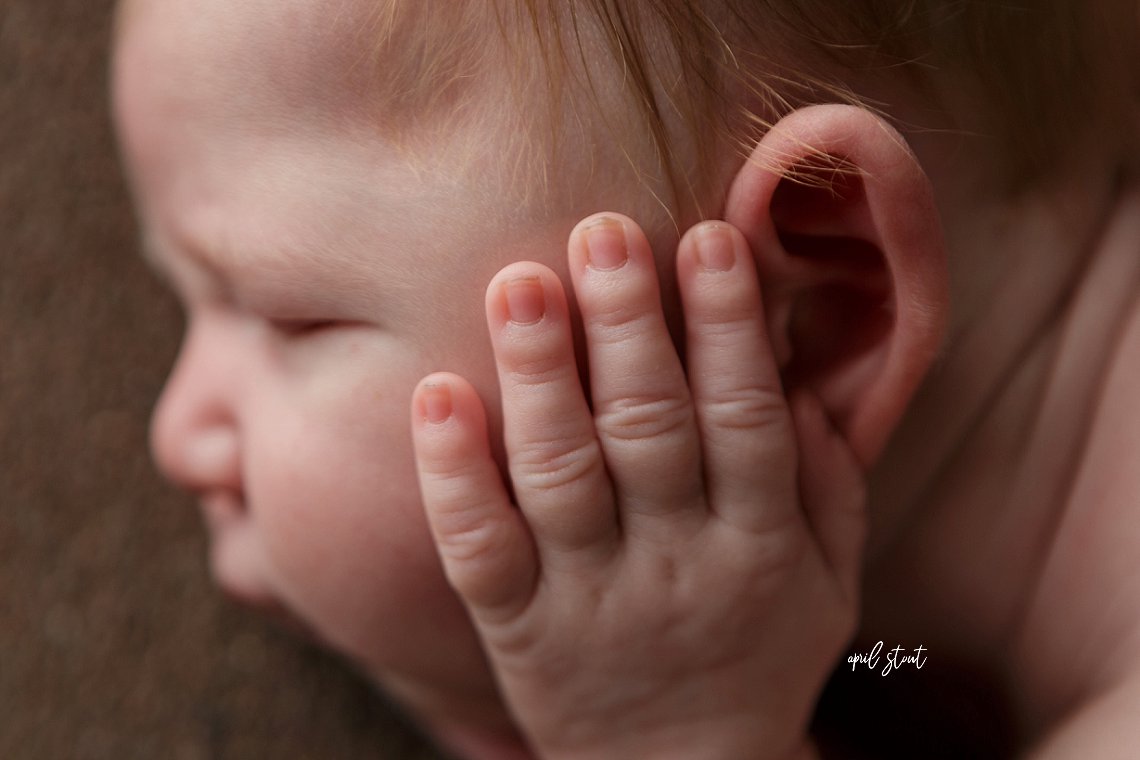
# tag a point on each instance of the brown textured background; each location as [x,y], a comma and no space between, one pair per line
[112,642]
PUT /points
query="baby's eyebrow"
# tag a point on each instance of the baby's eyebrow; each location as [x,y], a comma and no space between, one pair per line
[158,257]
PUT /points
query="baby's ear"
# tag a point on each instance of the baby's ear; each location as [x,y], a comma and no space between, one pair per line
[841,219]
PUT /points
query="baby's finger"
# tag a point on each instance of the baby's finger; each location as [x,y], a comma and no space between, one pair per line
[556,465]
[833,489]
[642,410]
[485,548]
[746,432]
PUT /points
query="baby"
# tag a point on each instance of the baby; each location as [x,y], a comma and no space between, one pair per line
[573,484]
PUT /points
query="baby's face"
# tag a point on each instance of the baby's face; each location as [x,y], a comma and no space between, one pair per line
[323,275]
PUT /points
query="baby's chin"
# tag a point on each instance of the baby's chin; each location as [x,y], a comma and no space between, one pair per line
[428,659]
[238,580]
[271,609]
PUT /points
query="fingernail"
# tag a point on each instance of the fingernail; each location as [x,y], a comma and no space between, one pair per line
[526,303]
[436,398]
[715,250]
[606,246]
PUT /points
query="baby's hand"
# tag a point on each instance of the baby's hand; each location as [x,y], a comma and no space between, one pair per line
[679,575]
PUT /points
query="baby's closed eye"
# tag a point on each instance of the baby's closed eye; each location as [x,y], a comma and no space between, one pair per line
[294,327]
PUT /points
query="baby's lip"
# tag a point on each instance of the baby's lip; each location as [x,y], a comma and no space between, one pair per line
[222,510]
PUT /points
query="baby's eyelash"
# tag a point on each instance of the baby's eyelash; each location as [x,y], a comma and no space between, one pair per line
[297,327]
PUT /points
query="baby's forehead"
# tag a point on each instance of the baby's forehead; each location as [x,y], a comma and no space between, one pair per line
[285,55]
[192,73]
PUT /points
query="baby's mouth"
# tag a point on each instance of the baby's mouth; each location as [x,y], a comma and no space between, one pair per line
[221,511]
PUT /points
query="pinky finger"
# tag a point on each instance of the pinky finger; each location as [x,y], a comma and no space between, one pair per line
[487,552]
[833,489]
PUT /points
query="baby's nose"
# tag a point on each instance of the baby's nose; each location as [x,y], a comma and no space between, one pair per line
[194,435]
[200,460]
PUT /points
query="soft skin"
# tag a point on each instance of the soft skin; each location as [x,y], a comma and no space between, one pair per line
[324,275]
[296,437]
[593,597]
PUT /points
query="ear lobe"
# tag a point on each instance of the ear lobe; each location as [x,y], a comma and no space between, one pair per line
[841,219]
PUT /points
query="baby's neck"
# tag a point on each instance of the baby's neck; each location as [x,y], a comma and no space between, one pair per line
[985,496]
[1081,629]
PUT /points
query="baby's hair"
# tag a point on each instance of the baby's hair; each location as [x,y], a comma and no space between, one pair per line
[1028,75]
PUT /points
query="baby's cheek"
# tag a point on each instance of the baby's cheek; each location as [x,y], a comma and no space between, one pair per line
[344,530]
